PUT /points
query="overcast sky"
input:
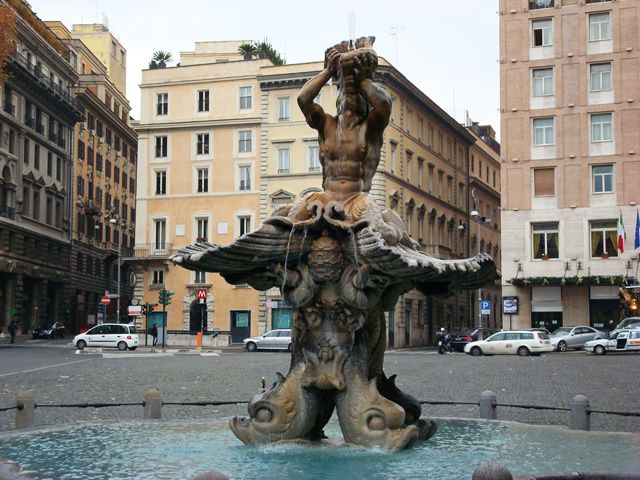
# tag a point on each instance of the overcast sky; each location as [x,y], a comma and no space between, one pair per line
[448,48]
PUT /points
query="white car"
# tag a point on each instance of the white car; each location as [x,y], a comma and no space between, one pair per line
[517,342]
[273,340]
[621,341]
[115,335]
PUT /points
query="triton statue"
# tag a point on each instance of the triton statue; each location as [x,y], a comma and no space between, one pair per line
[341,261]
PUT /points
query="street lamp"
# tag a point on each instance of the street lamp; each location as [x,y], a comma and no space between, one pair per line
[475,214]
[114,221]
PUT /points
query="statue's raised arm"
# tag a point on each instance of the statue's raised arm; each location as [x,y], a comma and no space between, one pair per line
[313,112]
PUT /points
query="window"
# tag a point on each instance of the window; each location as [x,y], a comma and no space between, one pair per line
[420,172]
[545,241]
[202,147]
[158,277]
[161,234]
[544,182]
[430,178]
[314,158]
[394,154]
[440,184]
[49,164]
[244,225]
[542,82]
[203,100]
[604,238]
[601,127]
[58,168]
[49,211]
[431,136]
[36,157]
[245,98]
[203,180]
[284,160]
[245,177]
[162,104]
[600,77]
[599,26]
[203,229]
[161,182]
[284,109]
[473,163]
[36,205]
[161,147]
[535,4]
[244,141]
[200,277]
[543,131]
[602,178]
[542,33]
[409,156]
[450,189]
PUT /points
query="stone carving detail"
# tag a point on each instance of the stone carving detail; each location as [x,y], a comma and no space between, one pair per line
[341,261]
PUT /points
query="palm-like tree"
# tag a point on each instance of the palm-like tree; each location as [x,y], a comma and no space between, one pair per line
[248,50]
[160,59]
[266,51]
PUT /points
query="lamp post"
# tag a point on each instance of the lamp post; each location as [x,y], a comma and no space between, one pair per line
[476,214]
[114,221]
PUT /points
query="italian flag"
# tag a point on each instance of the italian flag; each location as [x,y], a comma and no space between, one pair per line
[621,235]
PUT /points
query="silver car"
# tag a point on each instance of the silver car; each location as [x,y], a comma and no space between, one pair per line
[565,338]
[273,340]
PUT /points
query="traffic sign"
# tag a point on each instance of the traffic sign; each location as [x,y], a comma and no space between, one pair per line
[135,310]
[485,307]
[105,300]
[201,294]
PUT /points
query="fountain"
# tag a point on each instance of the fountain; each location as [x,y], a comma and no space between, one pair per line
[341,261]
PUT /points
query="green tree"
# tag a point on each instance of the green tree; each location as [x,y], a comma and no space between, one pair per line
[160,59]
[266,51]
[248,50]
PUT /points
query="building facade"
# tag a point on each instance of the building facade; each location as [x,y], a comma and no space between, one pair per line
[570,171]
[36,132]
[104,161]
[223,144]
[484,183]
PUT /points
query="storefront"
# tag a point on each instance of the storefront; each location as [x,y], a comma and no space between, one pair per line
[604,307]
[546,307]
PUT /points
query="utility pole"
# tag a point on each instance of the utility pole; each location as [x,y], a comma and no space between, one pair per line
[114,221]
[476,214]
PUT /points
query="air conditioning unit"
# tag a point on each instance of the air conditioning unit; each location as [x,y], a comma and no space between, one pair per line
[84,125]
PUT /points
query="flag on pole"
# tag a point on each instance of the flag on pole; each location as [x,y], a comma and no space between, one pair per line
[636,244]
[621,234]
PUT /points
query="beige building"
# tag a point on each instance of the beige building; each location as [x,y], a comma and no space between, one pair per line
[259,154]
[570,123]
[484,177]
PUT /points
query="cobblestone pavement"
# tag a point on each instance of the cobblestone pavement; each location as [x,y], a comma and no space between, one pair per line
[56,375]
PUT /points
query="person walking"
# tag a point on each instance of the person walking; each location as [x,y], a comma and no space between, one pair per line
[154,333]
[13,329]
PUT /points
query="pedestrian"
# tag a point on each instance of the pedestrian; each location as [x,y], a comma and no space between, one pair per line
[154,333]
[13,329]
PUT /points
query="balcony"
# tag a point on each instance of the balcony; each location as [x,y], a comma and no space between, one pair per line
[20,65]
[152,251]
[315,169]
[535,4]
[9,108]
[8,212]
[283,170]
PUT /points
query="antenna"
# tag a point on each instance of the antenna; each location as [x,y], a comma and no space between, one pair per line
[105,20]
[395,29]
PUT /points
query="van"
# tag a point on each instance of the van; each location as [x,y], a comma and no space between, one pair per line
[115,335]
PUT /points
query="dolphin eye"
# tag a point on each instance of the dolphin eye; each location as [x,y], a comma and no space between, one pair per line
[264,415]
[376,422]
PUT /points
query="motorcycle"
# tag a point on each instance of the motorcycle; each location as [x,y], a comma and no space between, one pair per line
[444,344]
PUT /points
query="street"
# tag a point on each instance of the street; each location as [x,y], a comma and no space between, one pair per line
[56,374]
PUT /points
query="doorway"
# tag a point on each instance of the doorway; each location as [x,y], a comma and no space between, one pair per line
[198,317]
[240,325]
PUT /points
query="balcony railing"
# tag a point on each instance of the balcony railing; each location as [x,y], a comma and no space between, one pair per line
[29,122]
[61,142]
[534,4]
[245,185]
[315,169]
[53,137]
[9,108]
[153,250]
[8,212]
[283,170]
[40,128]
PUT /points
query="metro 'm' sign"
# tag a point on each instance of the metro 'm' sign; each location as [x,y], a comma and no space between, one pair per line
[201,294]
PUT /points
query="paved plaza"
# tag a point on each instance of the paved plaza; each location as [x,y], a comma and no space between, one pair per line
[57,375]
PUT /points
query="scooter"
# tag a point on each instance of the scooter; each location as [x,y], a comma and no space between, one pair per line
[444,345]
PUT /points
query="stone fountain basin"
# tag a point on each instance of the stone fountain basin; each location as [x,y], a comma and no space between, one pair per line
[162,449]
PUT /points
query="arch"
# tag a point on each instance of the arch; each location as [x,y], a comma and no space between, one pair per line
[188,300]
[198,320]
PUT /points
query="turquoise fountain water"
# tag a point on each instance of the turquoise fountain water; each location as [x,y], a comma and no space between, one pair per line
[170,450]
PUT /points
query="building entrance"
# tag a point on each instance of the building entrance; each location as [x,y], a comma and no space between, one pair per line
[240,325]
[197,317]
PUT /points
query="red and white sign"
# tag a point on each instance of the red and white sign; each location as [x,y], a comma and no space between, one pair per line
[135,310]
[201,294]
[105,300]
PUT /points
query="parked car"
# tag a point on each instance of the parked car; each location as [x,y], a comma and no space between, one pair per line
[516,342]
[622,341]
[115,335]
[49,330]
[565,338]
[460,340]
[273,340]
[629,322]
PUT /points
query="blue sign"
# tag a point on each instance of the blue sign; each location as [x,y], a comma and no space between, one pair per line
[485,307]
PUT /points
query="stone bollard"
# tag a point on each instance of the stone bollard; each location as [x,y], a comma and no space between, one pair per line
[580,410]
[488,409]
[25,414]
[152,405]
[491,471]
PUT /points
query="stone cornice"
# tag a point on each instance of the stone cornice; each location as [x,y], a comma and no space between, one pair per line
[198,124]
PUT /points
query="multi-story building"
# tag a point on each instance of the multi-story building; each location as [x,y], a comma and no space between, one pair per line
[570,170]
[104,159]
[484,183]
[36,133]
[224,144]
